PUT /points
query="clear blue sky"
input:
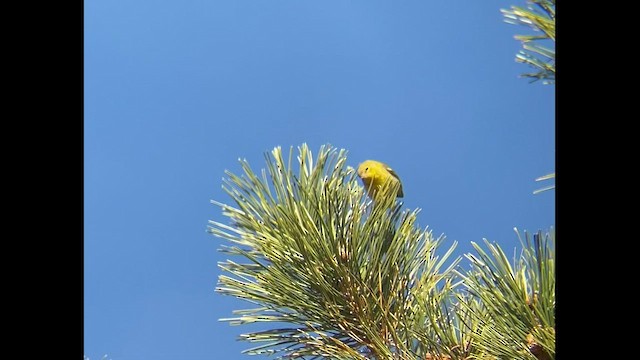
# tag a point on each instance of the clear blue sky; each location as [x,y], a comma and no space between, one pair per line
[177,91]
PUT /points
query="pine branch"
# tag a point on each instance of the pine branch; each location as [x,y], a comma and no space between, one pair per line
[351,277]
[517,320]
[540,16]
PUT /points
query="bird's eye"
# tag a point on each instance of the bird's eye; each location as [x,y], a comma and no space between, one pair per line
[366,169]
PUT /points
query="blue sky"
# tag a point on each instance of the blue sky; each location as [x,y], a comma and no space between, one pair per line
[177,91]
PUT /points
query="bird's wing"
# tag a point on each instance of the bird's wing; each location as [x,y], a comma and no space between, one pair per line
[393,173]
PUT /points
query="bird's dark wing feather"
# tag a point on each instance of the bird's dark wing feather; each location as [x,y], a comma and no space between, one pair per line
[393,173]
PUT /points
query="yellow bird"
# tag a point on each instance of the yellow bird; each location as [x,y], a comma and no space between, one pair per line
[375,173]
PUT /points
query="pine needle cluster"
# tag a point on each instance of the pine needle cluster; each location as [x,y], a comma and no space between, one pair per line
[538,50]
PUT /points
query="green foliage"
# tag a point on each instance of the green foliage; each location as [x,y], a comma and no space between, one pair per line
[354,279]
[518,317]
[540,16]
[350,275]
